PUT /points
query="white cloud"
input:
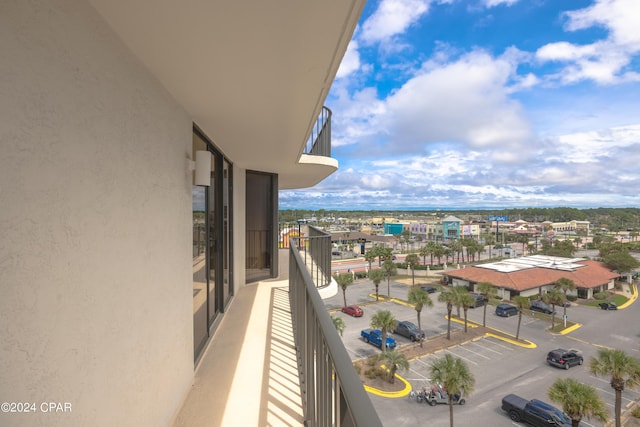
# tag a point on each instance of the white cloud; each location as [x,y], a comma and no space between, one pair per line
[391,18]
[351,60]
[463,101]
[494,3]
[603,61]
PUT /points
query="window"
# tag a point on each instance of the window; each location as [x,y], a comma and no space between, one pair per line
[212,245]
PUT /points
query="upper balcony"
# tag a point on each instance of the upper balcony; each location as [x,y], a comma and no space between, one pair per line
[253,76]
[277,358]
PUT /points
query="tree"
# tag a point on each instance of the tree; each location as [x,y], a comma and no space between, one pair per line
[389,269]
[449,298]
[343,280]
[412,260]
[339,324]
[370,256]
[459,292]
[383,320]
[565,284]
[376,277]
[623,369]
[621,261]
[553,297]
[522,303]
[419,298]
[454,375]
[394,360]
[466,300]
[487,290]
[578,400]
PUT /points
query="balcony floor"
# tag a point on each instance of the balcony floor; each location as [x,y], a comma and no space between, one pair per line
[248,374]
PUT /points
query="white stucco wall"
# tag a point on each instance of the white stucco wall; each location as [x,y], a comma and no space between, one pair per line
[95,225]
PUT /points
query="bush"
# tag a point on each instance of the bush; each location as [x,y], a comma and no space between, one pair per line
[636,412]
[600,295]
[360,275]
[373,373]
[572,298]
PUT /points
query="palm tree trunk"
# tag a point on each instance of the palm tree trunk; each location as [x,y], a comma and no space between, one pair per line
[448,322]
[519,321]
[465,320]
[344,296]
[450,410]
[618,405]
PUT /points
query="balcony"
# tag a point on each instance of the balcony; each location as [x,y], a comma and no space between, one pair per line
[256,372]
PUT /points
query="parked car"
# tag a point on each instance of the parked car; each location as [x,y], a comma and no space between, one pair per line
[534,412]
[374,336]
[506,310]
[479,300]
[336,253]
[562,358]
[409,330]
[541,307]
[353,310]
[608,305]
[428,289]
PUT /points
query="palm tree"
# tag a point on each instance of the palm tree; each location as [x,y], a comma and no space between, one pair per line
[419,298]
[343,280]
[565,284]
[389,269]
[383,320]
[412,260]
[454,375]
[459,292]
[522,303]
[578,400]
[394,360]
[376,277]
[553,297]
[449,298]
[339,324]
[370,256]
[466,301]
[487,290]
[623,369]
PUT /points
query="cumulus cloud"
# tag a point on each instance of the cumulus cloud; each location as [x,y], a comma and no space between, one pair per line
[391,18]
[604,61]
[351,60]
[463,101]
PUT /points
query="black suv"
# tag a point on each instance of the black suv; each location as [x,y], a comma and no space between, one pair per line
[409,330]
[541,307]
[562,358]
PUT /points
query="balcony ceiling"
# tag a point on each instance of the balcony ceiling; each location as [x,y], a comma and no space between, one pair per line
[253,75]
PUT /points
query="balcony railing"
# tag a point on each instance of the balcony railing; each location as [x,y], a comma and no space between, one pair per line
[332,393]
[319,143]
[315,249]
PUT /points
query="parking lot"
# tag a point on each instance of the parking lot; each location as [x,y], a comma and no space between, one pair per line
[499,367]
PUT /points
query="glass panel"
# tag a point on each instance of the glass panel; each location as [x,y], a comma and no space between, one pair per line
[199,203]
[214,303]
[226,231]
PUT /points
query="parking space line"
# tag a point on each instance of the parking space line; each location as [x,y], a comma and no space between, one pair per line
[464,347]
[499,344]
[485,347]
[461,357]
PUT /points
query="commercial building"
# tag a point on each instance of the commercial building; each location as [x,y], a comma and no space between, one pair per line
[536,275]
[116,270]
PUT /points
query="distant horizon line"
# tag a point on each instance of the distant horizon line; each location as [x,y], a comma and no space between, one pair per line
[413,209]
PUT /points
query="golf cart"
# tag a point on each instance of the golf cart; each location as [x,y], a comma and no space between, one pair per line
[438,394]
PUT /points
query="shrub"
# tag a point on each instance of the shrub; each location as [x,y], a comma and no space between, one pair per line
[572,298]
[373,373]
[600,295]
[636,412]
[360,275]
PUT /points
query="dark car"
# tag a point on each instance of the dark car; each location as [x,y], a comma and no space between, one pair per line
[506,310]
[479,300]
[608,305]
[352,310]
[541,307]
[409,330]
[428,289]
[562,358]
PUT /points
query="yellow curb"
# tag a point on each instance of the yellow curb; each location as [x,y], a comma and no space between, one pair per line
[634,296]
[397,301]
[391,394]
[526,344]
[570,329]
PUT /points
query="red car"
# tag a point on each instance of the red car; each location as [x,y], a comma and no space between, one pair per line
[352,310]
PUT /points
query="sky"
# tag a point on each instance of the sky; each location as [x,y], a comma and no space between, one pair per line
[470,104]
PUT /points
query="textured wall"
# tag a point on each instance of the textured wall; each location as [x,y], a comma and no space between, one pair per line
[95,225]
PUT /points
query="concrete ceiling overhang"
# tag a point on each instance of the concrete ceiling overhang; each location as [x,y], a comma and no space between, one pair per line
[253,75]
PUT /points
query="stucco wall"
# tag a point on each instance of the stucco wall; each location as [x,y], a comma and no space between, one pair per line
[95,225]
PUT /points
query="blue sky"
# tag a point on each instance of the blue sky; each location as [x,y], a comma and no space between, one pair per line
[486,104]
